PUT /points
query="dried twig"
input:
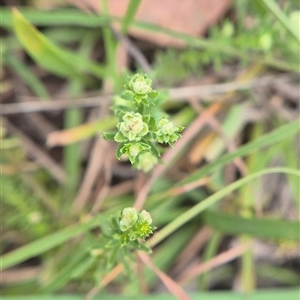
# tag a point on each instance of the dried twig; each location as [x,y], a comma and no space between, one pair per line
[176,94]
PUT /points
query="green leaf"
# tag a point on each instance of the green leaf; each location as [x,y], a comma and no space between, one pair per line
[153,94]
[112,260]
[264,228]
[265,140]
[82,267]
[213,199]
[129,15]
[26,75]
[273,7]
[54,59]
[77,18]
[120,138]
[154,149]
[146,119]
[143,247]
[119,151]
[152,124]
[109,136]
[63,276]
[44,244]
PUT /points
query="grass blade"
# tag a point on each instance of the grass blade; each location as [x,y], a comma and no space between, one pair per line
[77,18]
[129,15]
[281,17]
[44,244]
[264,228]
[265,140]
[213,199]
[49,56]
[27,76]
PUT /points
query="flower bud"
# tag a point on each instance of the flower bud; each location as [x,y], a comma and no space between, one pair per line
[146,161]
[140,84]
[133,127]
[132,150]
[128,218]
[167,132]
[145,217]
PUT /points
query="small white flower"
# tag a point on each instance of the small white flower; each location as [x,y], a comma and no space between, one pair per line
[166,127]
[133,126]
[140,84]
[167,132]
[129,218]
[145,217]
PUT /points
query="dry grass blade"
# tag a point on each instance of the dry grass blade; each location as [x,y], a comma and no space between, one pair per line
[193,247]
[189,186]
[170,284]
[241,166]
[22,274]
[228,87]
[172,153]
[32,105]
[133,51]
[215,262]
[109,277]
[95,165]
[190,133]
[176,94]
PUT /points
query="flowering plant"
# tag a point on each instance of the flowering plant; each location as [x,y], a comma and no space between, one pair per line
[126,232]
[138,130]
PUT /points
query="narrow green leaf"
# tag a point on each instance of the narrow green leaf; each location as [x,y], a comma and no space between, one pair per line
[109,136]
[273,7]
[71,152]
[82,267]
[119,151]
[211,200]
[110,46]
[27,76]
[44,244]
[63,276]
[129,15]
[77,18]
[264,228]
[282,275]
[265,140]
[54,59]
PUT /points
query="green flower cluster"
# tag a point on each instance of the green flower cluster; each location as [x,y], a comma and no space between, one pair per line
[126,232]
[131,128]
[167,132]
[140,87]
[135,225]
[137,131]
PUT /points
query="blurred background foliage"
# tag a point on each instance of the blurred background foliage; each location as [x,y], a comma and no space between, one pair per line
[226,197]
